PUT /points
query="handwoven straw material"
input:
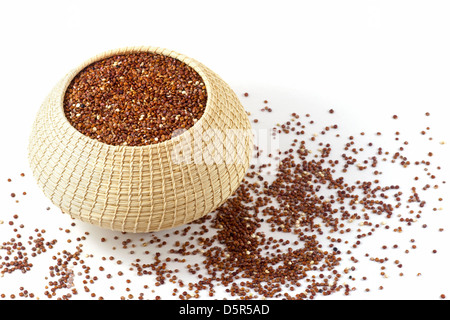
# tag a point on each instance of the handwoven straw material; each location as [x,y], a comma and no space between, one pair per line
[145,188]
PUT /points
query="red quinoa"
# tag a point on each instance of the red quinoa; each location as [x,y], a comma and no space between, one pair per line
[297,232]
[135,99]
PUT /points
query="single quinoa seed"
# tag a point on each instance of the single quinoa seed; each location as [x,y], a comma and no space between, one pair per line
[135,99]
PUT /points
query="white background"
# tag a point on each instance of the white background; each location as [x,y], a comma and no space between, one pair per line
[366,59]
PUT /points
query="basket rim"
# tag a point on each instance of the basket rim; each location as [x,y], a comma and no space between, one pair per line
[134,49]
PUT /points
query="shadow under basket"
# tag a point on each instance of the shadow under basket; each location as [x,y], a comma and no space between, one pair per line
[144,188]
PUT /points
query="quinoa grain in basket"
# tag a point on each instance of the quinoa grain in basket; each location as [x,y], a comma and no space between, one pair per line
[106,146]
[135,99]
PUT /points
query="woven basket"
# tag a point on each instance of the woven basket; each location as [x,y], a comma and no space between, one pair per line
[144,188]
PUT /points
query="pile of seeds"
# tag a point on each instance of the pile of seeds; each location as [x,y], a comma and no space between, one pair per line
[135,99]
[295,229]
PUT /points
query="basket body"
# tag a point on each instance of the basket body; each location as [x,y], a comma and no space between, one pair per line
[145,188]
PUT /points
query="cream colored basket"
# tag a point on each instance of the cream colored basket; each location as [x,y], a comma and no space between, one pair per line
[148,188]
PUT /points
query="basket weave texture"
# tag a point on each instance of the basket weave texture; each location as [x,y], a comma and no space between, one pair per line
[142,189]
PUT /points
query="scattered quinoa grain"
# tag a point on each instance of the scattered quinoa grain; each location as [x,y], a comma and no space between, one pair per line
[280,238]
